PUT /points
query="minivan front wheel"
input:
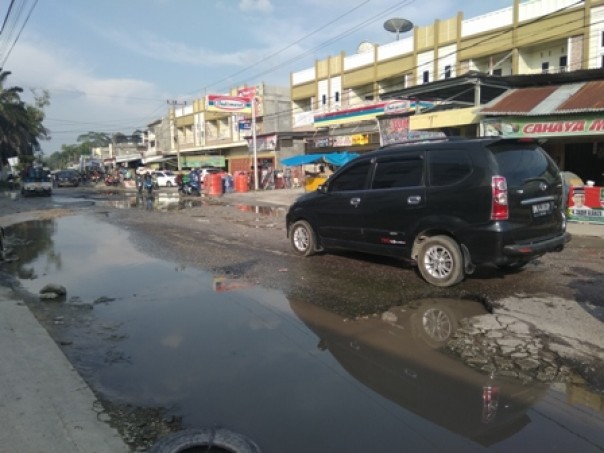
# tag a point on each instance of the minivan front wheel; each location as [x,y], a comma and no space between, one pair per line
[440,261]
[303,238]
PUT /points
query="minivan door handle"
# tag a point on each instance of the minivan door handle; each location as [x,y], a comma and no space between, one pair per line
[414,199]
[355,201]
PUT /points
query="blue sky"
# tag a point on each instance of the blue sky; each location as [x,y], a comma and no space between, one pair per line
[111,65]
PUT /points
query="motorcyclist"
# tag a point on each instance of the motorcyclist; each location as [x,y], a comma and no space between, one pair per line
[148,182]
[194,178]
[139,183]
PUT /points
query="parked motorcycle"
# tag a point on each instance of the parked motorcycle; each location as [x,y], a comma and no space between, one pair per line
[190,189]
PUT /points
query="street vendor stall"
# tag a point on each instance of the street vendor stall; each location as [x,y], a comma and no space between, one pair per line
[313,180]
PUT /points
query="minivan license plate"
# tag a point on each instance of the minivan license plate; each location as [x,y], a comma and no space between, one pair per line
[542,209]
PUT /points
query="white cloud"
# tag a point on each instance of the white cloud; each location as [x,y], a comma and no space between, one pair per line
[256,5]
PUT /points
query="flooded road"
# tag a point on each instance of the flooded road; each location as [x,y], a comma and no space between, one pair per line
[218,351]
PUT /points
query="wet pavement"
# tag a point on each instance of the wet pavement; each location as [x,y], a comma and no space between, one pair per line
[215,350]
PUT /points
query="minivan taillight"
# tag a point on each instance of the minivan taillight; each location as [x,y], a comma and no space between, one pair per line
[499,205]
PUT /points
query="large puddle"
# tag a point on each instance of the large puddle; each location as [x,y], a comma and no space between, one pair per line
[289,375]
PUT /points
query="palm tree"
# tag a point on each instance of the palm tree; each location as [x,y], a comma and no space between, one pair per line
[20,124]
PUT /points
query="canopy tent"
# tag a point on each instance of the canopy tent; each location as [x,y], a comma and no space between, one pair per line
[337,159]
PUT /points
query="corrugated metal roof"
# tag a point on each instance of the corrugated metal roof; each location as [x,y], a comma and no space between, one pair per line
[589,98]
[549,100]
[520,101]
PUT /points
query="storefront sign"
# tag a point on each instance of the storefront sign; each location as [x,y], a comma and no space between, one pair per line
[199,161]
[245,125]
[586,204]
[514,127]
[341,141]
[396,130]
[218,103]
[367,112]
[322,142]
[360,139]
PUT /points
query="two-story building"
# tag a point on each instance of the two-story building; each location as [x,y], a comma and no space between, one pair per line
[439,76]
[203,133]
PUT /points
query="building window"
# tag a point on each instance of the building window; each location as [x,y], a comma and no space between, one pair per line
[602,62]
[323,100]
[447,72]
[563,63]
[602,41]
[545,67]
[426,76]
[497,72]
[337,96]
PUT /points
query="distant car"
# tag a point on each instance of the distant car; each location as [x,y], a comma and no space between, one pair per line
[36,181]
[67,178]
[165,178]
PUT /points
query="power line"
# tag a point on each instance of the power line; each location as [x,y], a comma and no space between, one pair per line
[20,31]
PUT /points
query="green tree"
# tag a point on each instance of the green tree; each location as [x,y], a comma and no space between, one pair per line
[95,139]
[21,127]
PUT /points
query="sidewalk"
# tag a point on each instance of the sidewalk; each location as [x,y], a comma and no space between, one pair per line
[45,406]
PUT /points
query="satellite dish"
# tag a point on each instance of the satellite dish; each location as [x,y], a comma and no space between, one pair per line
[365,47]
[398,25]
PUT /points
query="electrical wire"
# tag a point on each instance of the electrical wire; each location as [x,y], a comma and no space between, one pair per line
[373,18]
[12,46]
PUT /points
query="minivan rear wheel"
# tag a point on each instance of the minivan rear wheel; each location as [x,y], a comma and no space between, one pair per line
[440,261]
[303,238]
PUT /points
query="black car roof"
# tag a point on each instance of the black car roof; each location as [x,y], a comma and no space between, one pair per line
[437,143]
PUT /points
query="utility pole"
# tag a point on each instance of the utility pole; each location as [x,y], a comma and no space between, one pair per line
[175,103]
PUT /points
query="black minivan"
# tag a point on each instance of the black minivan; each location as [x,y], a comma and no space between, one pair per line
[445,206]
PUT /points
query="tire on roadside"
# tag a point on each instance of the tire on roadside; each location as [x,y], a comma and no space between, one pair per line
[190,439]
[440,261]
[303,238]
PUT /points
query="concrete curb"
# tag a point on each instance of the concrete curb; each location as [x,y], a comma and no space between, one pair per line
[46,405]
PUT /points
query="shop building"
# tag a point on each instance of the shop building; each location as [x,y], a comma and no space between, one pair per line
[566,111]
[342,96]
[226,130]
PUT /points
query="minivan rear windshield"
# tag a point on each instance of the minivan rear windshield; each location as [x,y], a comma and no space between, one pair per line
[519,163]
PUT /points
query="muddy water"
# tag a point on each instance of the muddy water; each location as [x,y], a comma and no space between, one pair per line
[295,378]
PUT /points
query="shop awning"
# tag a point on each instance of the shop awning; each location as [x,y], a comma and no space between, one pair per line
[337,159]
[570,98]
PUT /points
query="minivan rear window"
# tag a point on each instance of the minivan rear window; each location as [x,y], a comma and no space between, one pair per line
[519,163]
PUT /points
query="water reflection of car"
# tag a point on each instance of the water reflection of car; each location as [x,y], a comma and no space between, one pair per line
[65,178]
[164,178]
[404,361]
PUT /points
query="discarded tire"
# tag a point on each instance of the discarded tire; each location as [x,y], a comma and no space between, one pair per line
[222,439]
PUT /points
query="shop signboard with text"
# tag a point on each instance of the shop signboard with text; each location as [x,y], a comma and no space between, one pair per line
[234,104]
[542,127]
[586,204]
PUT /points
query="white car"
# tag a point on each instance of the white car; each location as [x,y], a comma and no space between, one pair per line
[164,178]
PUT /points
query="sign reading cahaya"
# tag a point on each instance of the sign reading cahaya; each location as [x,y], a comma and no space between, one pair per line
[543,127]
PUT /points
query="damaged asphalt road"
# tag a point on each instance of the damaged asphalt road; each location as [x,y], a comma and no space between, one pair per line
[545,322]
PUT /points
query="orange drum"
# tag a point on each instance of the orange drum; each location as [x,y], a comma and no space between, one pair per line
[212,184]
[241,182]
